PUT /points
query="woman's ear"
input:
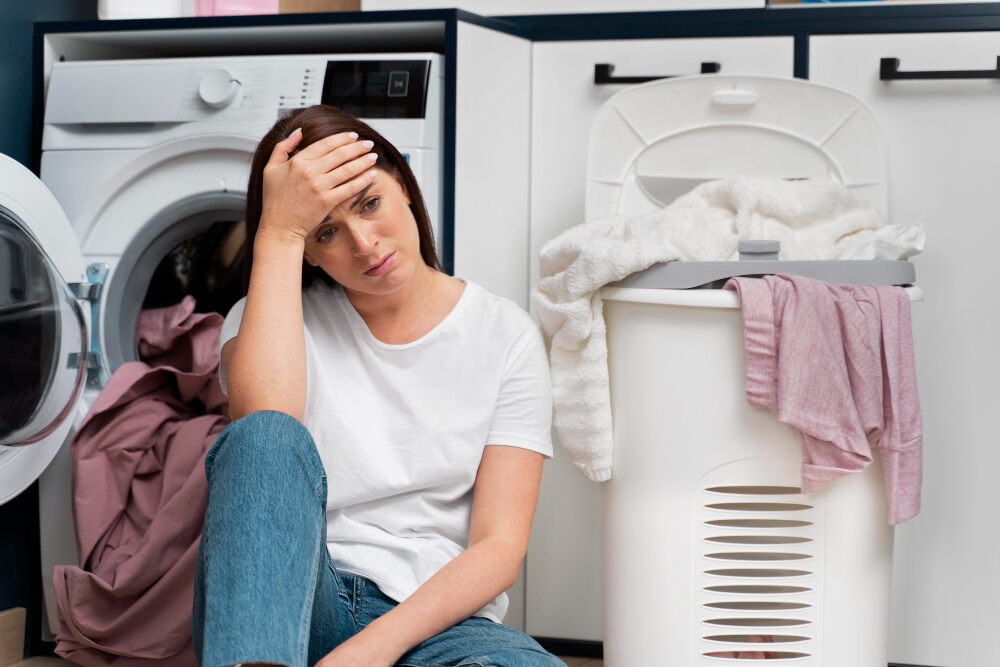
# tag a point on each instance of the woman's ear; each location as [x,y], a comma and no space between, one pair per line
[309,259]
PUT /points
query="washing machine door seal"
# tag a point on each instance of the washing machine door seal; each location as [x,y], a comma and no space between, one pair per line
[43,327]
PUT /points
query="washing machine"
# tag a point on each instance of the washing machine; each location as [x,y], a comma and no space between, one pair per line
[143,177]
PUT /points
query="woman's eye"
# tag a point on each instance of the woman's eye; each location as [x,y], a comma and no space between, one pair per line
[371,204]
[327,234]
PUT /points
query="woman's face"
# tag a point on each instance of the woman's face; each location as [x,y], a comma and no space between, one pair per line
[369,243]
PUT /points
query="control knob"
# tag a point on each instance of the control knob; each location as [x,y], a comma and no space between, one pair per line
[218,88]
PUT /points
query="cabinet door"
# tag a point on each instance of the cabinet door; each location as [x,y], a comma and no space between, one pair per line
[492,113]
[942,140]
[563,596]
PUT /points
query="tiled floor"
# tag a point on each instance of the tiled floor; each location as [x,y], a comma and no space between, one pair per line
[59,662]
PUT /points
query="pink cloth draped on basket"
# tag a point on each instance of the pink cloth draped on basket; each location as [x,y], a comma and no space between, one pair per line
[139,494]
[836,362]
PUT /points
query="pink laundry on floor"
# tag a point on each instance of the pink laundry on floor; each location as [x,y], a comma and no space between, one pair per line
[836,362]
[139,497]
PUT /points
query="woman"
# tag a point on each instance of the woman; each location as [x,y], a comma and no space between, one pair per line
[373,498]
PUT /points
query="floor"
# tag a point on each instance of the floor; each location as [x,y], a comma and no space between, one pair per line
[582,662]
[59,662]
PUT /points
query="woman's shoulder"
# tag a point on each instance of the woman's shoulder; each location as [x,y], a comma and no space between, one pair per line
[499,312]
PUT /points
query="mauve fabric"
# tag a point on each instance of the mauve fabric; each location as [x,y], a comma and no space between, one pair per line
[139,497]
[836,362]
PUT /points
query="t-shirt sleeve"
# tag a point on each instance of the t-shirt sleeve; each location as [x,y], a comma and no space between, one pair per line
[523,415]
[230,327]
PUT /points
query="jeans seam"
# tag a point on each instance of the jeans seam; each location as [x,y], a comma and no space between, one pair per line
[358,602]
[305,624]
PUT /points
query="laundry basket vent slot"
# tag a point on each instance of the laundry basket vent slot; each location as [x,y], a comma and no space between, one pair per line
[757,622]
[768,655]
[753,589]
[757,555]
[759,523]
[755,605]
[756,490]
[759,539]
[740,572]
[759,507]
[758,561]
[771,639]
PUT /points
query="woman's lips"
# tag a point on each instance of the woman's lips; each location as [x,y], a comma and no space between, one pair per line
[382,266]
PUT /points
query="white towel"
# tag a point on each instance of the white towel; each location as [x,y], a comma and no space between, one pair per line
[813,219]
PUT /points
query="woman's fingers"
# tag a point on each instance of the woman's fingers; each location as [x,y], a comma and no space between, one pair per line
[342,155]
[346,189]
[283,149]
[349,170]
[327,144]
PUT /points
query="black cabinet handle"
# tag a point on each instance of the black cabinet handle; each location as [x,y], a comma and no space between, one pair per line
[889,71]
[602,74]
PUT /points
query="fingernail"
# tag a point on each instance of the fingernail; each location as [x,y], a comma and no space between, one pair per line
[372,156]
[367,143]
[353,135]
[298,129]
[371,174]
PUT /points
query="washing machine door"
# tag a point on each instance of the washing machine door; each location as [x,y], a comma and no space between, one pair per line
[43,327]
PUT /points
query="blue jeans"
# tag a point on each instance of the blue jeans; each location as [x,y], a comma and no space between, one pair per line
[265,587]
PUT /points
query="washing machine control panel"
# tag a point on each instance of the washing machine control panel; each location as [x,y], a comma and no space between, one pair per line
[247,88]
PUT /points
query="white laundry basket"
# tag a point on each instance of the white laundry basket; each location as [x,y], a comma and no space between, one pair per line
[709,547]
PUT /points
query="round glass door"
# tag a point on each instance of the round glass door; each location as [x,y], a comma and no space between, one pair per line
[43,339]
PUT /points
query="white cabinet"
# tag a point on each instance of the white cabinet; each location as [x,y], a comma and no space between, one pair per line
[563,595]
[942,139]
[492,144]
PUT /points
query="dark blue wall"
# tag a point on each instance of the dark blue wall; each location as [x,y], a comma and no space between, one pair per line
[16,30]
[20,582]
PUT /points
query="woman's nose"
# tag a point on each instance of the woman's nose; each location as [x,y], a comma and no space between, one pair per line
[364,239]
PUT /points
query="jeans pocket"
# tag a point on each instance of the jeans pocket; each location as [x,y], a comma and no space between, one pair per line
[341,589]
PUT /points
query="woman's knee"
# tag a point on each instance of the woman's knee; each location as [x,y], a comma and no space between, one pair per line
[266,440]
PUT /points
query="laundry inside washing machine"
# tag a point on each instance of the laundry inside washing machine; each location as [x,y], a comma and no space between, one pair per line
[208,266]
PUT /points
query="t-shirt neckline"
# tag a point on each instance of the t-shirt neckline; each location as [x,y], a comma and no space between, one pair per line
[361,326]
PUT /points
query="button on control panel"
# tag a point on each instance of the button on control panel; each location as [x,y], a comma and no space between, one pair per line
[399,84]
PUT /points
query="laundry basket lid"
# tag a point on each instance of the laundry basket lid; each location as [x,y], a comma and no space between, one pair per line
[653,142]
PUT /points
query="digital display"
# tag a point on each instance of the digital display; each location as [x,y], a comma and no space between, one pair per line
[377,88]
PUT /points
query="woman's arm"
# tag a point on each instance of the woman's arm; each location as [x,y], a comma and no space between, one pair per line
[503,507]
[265,363]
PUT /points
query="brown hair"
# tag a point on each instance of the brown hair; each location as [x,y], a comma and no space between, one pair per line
[317,122]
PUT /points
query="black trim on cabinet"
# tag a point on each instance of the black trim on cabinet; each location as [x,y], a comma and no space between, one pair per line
[275,20]
[37,101]
[771,21]
[801,57]
[447,252]
[575,647]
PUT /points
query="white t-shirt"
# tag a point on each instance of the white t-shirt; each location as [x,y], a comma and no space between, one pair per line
[401,428]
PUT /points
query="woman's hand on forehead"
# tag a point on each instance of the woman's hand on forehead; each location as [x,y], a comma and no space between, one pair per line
[301,188]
